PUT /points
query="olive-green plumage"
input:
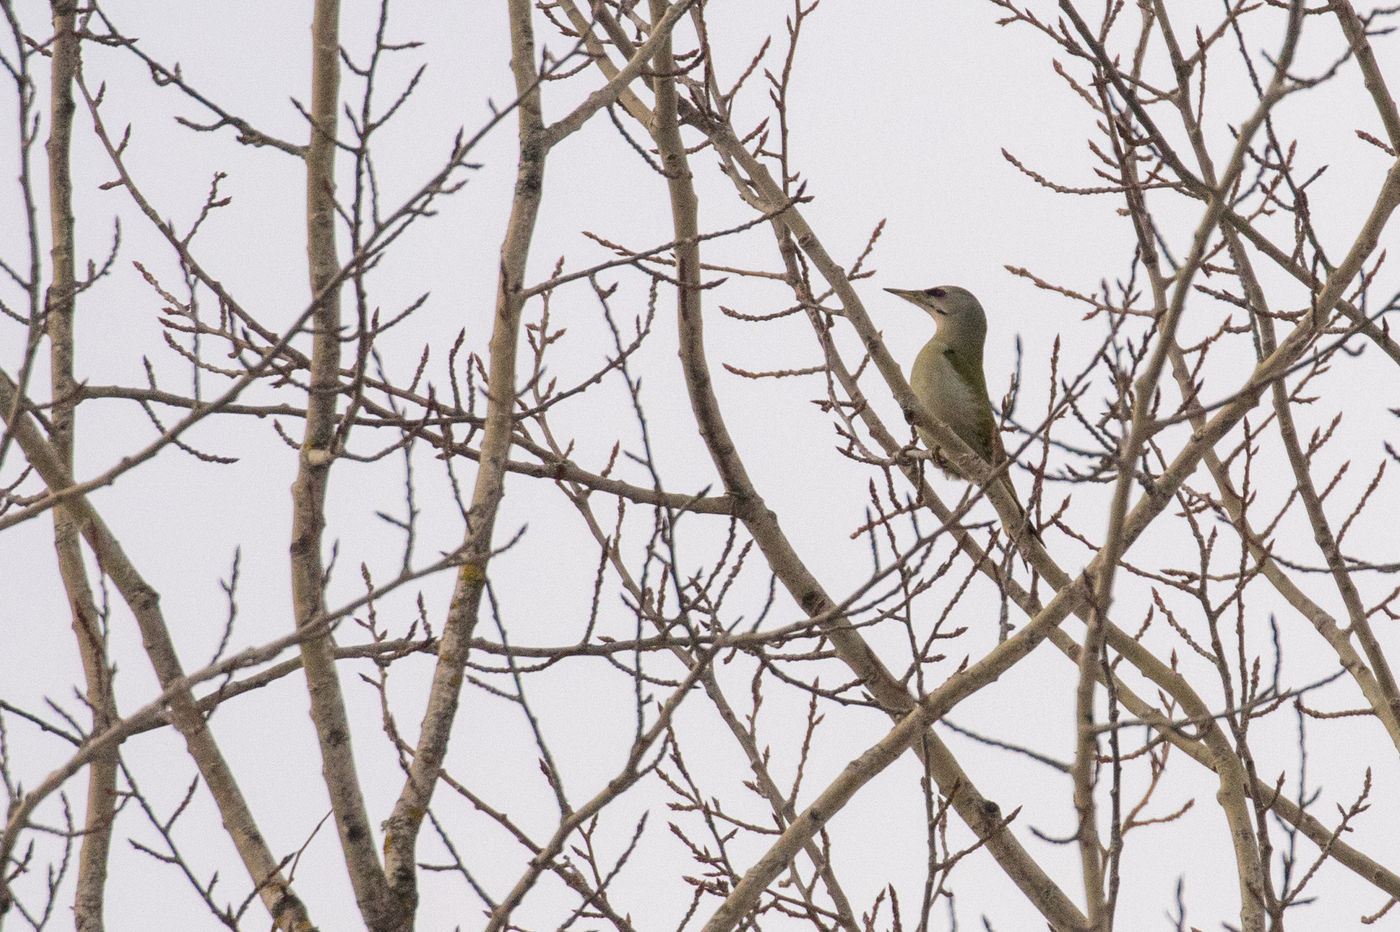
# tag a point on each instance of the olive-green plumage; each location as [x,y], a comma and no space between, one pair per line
[947,376]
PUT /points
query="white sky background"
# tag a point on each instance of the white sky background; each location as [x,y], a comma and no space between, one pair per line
[900,112]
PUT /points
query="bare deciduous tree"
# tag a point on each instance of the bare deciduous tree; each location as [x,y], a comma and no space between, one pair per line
[629,611]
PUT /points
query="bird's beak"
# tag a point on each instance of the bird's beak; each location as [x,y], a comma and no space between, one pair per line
[919,300]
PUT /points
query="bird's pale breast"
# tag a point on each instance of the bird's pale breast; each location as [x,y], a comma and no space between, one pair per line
[952,400]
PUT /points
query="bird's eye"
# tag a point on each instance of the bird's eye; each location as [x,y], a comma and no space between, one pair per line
[936,293]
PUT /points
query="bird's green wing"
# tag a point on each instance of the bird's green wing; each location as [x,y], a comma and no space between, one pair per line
[979,430]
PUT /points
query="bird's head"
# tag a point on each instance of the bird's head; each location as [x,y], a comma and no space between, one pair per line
[961,321]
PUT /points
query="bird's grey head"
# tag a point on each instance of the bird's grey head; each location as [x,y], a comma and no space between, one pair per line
[960,318]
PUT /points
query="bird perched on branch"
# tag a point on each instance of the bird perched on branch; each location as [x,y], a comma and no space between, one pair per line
[947,377]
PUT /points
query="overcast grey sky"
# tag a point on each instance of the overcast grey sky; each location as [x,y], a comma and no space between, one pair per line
[900,114]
